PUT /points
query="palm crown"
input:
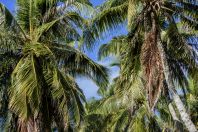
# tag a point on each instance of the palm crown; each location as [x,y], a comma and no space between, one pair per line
[42,38]
[156,47]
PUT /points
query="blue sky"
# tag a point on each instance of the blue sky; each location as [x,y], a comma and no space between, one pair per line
[88,87]
[11,3]
[97,2]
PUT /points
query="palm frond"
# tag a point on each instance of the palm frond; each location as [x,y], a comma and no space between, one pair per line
[26,84]
[133,10]
[185,56]
[68,95]
[106,20]
[27,15]
[9,24]
[76,63]
[114,47]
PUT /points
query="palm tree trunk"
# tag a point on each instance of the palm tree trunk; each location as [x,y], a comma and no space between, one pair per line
[43,120]
[59,120]
[41,125]
[179,104]
[178,125]
[173,113]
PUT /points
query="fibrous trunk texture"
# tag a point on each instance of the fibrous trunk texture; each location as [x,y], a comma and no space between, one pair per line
[151,64]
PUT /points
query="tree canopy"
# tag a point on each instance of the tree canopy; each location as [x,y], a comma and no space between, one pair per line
[42,52]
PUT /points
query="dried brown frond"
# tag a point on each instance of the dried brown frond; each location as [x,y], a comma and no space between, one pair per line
[152,67]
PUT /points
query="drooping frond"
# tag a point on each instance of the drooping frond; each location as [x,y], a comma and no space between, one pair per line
[11,31]
[153,74]
[114,47]
[124,98]
[68,97]
[76,63]
[133,10]
[26,85]
[185,11]
[184,58]
[107,20]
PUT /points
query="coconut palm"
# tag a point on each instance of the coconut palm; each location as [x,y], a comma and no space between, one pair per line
[149,23]
[42,40]
[163,117]
[118,46]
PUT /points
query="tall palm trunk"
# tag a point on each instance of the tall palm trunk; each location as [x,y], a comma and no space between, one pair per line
[43,120]
[41,123]
[179,104]
[178,125]
[169,79]
[62,126]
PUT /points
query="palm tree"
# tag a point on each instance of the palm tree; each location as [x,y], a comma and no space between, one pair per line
[148,20]
[117,46]
[42,38]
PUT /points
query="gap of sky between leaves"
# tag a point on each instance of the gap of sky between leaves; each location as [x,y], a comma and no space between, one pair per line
[88,87]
